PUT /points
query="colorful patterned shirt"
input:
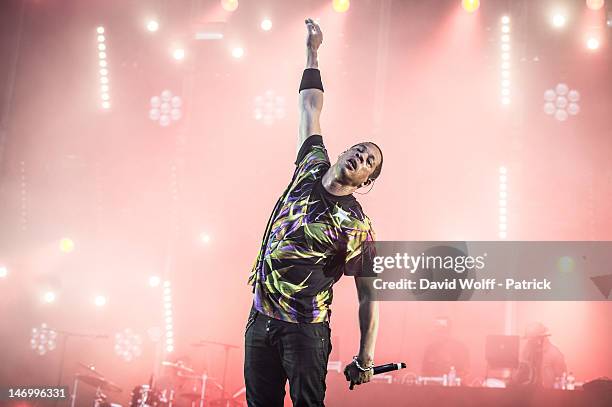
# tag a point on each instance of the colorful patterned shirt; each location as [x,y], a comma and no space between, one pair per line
[311,239]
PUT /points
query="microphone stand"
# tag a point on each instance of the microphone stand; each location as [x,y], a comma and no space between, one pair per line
[227,347]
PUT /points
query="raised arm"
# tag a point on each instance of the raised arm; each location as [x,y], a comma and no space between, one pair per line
[311,89]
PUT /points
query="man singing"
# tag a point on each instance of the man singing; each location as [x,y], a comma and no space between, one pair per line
[313,236]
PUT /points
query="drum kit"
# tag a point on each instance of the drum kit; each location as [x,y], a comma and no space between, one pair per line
[182,386]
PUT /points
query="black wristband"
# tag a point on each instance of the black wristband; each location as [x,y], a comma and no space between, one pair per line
[311,79]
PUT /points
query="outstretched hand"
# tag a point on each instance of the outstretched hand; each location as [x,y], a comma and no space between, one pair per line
[314,38]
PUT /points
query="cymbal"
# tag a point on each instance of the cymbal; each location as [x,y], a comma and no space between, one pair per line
[209,379]
[178,366]
[98,382]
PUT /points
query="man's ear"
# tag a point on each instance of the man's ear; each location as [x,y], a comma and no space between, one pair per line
[366,183]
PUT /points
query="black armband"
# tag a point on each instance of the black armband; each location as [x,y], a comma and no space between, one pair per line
[311,79]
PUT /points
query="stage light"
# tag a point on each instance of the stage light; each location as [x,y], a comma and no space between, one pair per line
[128,345]
[561,102]
[152,26]
[609,20]
[559,20]
[341,6]
[229,5]
[154,281]
[43,339]
[561,115]
[470,5]
[169,331]
[266,24]
[165,108]
[3,271]
[204,238]
[100,300]
[48,297]
[103,72]
[592,43]
[566,264]
[178,54]
[237,52]
[269,108]
[505,60]
[66,245]
[595,4]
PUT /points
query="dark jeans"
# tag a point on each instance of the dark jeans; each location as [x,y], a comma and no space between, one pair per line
[275,351]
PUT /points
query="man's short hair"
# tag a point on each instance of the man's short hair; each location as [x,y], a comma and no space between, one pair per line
[378,169]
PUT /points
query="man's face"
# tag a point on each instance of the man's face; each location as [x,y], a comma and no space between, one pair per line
[358,163]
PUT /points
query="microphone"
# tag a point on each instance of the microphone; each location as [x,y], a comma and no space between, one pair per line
[389,367]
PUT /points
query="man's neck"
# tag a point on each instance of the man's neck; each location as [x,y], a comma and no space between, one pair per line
[334,186]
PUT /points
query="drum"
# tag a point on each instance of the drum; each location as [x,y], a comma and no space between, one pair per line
[144,396]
